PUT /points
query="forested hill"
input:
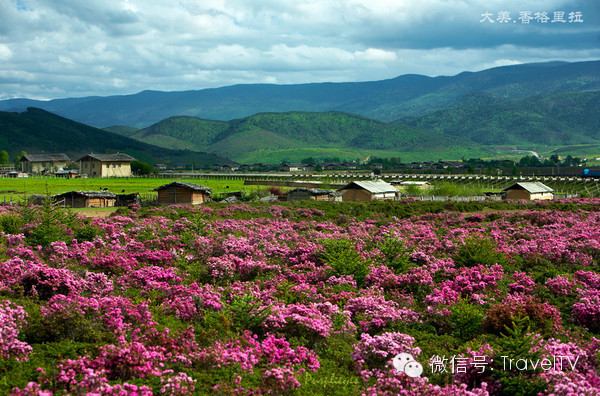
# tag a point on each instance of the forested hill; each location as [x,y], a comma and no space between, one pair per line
[387,100]
[560,118]
[38,131]
[292,131]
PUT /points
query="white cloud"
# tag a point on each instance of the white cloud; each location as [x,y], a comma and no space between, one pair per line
[5,52]
[376,54]
[77,48]
[501,62]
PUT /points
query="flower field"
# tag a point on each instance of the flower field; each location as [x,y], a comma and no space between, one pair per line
[312,299]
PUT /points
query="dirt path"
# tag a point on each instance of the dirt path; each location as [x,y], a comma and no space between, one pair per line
[96,212]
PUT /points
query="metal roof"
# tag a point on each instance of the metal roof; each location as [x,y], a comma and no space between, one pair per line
[191,186]
[372,186]
[89,194]
[413,183]
[532,187]
[108,157]
[60,157]
[314,191]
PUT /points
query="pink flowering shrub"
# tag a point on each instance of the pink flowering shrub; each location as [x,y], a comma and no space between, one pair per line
[587,309]
[373,355]
[310,297]
[277,362]
[562,285]
[12,319]
[523,283]
[376,312]
[311,320]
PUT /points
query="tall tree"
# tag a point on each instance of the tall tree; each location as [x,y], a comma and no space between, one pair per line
[17,160]
[4,158]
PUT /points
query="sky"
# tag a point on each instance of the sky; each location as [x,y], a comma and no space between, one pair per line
[74,48]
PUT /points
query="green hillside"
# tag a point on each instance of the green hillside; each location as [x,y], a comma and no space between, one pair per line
[562,118]
[182,132]
[121,130]
[387,100]
[263,135]
[38,131]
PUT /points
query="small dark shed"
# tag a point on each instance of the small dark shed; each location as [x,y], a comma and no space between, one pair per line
[128,199]
[182,193]
[315,194]
[86,199]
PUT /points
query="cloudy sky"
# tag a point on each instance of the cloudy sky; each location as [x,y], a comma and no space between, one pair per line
[71,48]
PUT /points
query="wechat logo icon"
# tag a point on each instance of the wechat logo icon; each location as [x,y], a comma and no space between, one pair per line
[405,363]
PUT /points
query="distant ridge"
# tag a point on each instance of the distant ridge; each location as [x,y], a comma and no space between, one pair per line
[558,118]
[404,96]
[38,131]
[273,137]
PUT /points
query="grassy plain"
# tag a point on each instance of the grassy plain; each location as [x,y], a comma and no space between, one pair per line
[17,189]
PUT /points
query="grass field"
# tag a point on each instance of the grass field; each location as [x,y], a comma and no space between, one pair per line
[17,189]
[296,155]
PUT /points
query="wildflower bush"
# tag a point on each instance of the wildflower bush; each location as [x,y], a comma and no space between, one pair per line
[302,298]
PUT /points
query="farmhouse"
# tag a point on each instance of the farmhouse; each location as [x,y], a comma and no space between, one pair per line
[86,199]
[105,165]
[67,174]
[292,167]
[182,193]
[368,191]
[403,185]
[314,194]
[43,163]
[15,174]
[223,168]
[529,191]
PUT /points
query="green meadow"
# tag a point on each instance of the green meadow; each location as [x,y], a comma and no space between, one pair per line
[17,189]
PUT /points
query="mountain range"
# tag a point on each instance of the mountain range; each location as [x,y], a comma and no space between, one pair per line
[387,100]
[274,137]
[471,127]
[415,117]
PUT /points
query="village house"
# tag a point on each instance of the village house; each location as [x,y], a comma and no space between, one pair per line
[292,167]
[313,194]
[86,199]
[257,166]
[350,165]
[529,191]
[452,164]
[331,166]
[14,174]
[223,168]
[67,173]
[105,165]
[43,163]
[403,185]
[369,190]
[182,193]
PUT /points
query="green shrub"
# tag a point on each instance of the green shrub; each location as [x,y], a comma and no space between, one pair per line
[86,232]
[395,254]
[466,320]
[477,251]
[518,342]
[10,223]
[341,255]
[52,223]
[247,313]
